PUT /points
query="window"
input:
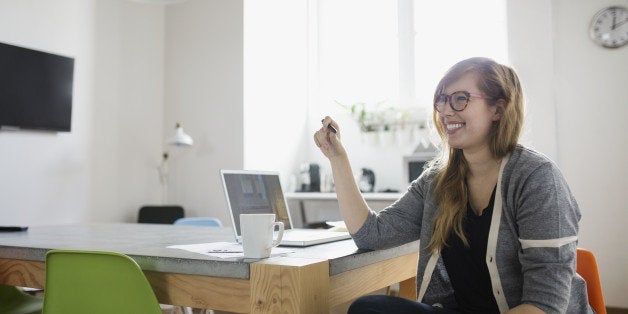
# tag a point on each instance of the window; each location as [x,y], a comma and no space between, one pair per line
[396,51]
[302,57]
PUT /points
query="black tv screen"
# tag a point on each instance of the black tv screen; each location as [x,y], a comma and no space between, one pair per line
[35,89]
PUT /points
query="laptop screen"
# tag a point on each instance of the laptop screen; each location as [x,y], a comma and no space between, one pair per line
[252,192]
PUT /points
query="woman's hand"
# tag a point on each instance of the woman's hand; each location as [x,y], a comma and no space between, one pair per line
[328,141]
[351,203]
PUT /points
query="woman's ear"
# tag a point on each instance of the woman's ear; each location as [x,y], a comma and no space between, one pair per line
[500,108]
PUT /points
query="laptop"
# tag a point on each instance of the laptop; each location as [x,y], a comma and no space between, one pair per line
[259,192]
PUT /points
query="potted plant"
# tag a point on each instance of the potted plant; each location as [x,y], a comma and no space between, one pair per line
[380,122]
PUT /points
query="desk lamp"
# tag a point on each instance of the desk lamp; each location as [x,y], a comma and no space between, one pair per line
[178,139]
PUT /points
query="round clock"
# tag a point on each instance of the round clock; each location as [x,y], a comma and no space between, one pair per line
[609,27]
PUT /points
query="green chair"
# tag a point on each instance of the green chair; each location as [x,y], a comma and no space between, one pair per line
[96,282]
[14,301]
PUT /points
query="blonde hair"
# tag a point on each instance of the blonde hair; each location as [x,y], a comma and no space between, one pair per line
[500,83]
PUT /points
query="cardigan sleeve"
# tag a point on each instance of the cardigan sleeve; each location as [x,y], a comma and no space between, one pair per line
[547,220]
[397,224]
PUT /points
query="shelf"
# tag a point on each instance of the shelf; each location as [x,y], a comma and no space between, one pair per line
[332,196]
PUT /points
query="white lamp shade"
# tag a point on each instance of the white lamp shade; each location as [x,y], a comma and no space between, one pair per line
[180,138]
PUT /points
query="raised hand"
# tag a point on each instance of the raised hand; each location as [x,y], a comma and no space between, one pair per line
[327,138]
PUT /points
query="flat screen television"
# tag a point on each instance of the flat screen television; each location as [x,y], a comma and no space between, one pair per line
[35,89]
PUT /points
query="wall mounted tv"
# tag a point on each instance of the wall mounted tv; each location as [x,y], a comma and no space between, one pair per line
[35,89]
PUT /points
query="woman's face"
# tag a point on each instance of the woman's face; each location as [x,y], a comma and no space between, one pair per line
[468,129]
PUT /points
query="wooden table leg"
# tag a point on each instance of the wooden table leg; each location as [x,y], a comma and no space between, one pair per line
[203,292]
[407,288]
[290,285]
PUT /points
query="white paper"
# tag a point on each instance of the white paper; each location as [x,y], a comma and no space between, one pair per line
[338,226]
[223,249]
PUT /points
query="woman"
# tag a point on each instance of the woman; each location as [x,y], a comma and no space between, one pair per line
[497,222]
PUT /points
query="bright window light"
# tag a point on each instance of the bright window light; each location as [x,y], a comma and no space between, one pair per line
[358,46]
[452,30]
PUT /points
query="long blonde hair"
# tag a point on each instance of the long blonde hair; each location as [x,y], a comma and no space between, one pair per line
[499,82]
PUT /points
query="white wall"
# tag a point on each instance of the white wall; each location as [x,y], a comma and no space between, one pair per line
[106,168]
[575,113]
[45,174]
[204,92]
[127,120]
[70,177]
[531,53]
[591,82]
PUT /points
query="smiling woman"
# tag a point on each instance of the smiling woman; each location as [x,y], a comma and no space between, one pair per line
[485,186]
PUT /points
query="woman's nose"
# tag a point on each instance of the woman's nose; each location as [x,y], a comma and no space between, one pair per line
[447,110]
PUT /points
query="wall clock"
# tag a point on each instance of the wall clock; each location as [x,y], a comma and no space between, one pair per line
[609,27]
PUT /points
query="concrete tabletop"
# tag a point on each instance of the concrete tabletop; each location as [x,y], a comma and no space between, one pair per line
[147,244]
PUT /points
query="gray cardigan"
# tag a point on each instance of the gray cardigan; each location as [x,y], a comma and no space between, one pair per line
[531,251]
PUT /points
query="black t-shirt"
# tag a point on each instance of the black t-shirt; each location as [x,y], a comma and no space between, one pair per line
[466,266]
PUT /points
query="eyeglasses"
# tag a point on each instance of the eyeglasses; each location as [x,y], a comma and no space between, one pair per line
[457,100]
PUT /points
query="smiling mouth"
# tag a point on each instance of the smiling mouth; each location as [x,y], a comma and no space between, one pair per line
[454,126]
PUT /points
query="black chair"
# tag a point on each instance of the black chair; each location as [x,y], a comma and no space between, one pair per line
[166,214]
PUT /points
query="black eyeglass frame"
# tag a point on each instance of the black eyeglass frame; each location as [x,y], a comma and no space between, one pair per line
[449,99]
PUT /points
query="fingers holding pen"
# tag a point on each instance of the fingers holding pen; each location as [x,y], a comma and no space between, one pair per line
[321,139]
[329,131]
[331,127]
[327,138]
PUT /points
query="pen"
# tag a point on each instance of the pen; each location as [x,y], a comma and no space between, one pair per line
[330,127]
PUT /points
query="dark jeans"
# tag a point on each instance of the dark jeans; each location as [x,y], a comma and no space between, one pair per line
[380,304]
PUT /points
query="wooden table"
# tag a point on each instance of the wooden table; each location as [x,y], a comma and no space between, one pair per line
[308,280]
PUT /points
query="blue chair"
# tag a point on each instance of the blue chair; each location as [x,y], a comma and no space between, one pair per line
[199,221]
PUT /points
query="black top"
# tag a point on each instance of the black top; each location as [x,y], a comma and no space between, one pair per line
[466,266]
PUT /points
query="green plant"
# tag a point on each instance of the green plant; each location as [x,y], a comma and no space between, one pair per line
[370,117]
[381,116]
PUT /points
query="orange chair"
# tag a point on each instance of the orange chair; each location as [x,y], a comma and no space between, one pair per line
[586,266]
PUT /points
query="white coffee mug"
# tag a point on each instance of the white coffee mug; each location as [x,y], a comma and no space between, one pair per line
[257,234]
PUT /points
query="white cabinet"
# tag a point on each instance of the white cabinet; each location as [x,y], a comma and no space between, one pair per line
[312,209]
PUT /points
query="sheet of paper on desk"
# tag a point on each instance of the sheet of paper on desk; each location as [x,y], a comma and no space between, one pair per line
[337,226]
[223,249]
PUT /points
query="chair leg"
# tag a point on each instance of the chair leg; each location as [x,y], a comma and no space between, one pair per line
[166,307]
[187,310]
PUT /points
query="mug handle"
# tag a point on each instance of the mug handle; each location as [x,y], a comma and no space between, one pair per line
[280,235]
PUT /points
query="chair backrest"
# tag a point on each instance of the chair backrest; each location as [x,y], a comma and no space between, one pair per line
[96,282]
[199,221]
[160,214]
[15,301]
[586,266]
